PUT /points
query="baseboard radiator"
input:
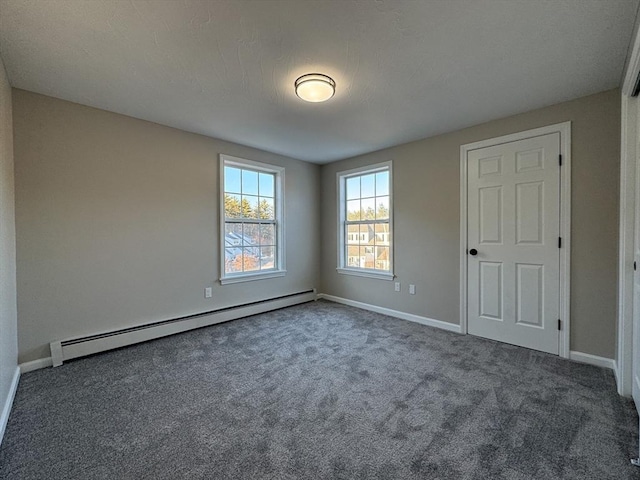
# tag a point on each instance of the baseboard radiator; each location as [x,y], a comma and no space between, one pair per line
[88,345]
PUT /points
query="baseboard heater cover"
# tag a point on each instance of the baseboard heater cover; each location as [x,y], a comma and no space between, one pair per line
[62,350]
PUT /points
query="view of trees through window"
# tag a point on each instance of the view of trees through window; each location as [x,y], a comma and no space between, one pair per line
[367,227]
[250,238]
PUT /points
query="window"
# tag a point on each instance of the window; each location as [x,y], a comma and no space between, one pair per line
[251,217]
[365,222]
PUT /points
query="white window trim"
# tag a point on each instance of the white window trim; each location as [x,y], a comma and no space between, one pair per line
[341,184]
[280,270]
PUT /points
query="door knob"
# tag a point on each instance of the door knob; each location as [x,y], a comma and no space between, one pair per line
[473,252]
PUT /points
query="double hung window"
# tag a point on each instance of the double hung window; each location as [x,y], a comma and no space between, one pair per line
[252,220]
[365,221]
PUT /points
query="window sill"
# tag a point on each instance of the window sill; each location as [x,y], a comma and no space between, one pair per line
[365,273]
[252,276]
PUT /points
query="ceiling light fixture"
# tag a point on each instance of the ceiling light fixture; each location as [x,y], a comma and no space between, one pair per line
[315,87]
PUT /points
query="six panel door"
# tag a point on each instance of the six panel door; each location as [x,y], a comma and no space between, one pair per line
[513,227]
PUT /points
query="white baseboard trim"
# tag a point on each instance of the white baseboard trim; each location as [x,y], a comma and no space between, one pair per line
[27,367]
[6,409]
[63,350]
[593,360]
[430,322]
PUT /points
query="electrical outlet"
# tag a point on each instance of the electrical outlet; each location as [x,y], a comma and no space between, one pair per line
[208,292]
[412,289]
[397,286]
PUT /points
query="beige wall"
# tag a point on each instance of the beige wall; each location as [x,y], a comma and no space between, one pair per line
[8,317]
[427,220]
[117,222]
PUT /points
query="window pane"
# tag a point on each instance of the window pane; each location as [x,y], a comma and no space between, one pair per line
[382,208]
[368,206]
[231,263]
[353,234]
[232,234]
[366,257]
[382,183]
[251,234]
[249,182]
[250,259]
[233,247]
[232,180]
[267,185]
[353,210]
[266,210]
[353,256]
[382,236]
[267,258]
[353,188]
[366,234]
[382,258]
[249,206]
[367,185]
[232,206]
[267,234]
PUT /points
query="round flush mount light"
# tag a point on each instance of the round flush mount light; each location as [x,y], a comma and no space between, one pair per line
[315,87]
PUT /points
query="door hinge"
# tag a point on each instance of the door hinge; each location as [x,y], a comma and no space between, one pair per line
[559,324]
[560,159]
[559,242]
[634,266]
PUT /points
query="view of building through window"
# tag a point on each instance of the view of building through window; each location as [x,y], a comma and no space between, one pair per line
[367,221]
[250,235]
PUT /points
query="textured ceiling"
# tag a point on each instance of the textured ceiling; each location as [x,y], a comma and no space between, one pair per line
[404,69]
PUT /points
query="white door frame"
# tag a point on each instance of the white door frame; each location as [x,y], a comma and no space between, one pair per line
[628,142]
[565,222]
[626,250]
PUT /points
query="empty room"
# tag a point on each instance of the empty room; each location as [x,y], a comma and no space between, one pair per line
[319,239]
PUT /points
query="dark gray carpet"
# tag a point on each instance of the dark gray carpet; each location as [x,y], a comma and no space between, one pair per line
[320,391]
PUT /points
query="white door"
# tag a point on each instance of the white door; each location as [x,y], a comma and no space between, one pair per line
[513,242]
